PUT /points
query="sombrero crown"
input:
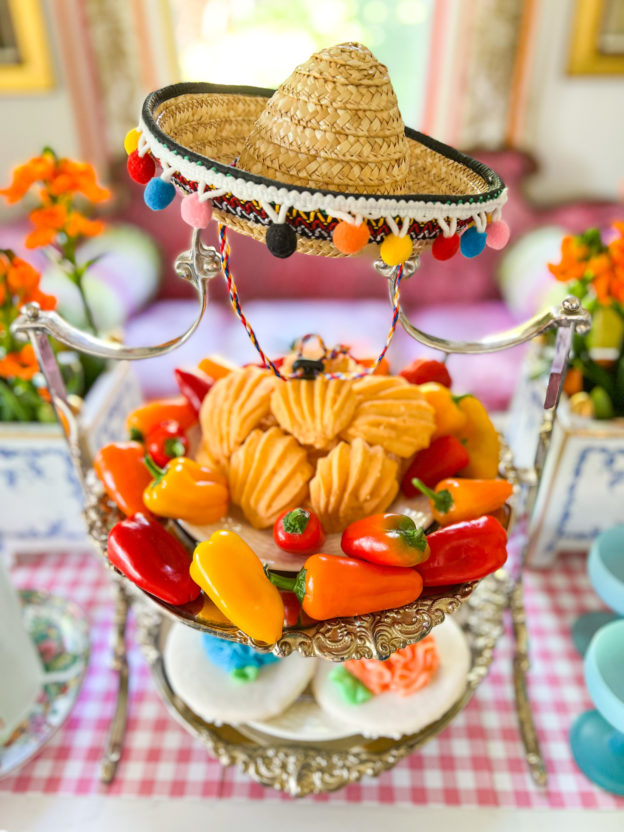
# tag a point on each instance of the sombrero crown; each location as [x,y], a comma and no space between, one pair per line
[323,165]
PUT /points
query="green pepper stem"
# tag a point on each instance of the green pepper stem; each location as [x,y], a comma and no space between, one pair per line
[442,500]
[157,472]
[174,446]
[296,584]
[136,435]
[296,521]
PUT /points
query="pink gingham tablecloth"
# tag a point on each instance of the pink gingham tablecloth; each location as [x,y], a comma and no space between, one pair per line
[476,762]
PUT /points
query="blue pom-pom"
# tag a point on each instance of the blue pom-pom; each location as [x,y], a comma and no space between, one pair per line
[472,242]
[230,656]
[158,194]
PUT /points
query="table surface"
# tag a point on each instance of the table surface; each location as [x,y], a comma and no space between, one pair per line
[476,764]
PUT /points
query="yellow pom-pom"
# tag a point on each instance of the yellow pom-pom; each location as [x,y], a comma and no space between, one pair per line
[131,142]
[395,250]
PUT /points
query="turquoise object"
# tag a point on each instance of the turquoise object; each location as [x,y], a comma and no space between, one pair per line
[597,737]
[237,659]
[158,194]
[472,242]
[605,568]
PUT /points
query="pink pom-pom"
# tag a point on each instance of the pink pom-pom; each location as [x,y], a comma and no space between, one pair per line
[497,235]
[195,213]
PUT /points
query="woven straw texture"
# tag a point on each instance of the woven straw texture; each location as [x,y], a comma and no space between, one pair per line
[334,125]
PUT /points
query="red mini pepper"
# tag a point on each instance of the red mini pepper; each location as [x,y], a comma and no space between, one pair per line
[298,530]
[443,458]
[292,609]
[121,470]
[390,539]
[422,370]
[165,442]
[153,559]
[329,586]
[194,386]
[464,552]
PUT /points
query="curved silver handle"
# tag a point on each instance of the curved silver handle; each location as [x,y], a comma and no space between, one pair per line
[197,266]
[569,314]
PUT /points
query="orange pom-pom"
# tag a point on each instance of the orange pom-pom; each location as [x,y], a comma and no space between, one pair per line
[349,239]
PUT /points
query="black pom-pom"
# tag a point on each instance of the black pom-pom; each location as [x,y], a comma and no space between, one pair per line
[281,240]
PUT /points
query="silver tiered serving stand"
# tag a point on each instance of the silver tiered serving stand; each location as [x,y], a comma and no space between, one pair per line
[296,767]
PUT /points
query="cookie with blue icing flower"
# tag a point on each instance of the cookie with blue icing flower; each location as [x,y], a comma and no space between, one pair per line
[225,682]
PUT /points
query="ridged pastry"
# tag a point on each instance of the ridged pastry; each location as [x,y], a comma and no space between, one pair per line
[268,474]
[351,482]
[314,411]
[392,413]
[234,406]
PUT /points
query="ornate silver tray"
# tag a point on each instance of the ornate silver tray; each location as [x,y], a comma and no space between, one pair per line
[372,636]
[302,768]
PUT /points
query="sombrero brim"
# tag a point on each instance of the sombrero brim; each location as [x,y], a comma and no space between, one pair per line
[196,132]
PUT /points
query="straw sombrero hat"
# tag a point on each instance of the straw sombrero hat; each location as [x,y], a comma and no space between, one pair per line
[323,165]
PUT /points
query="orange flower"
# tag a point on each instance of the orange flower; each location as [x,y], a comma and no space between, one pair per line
[19,364]
[573,263]
[38,169]
[21,277]
[3,295]
[48,221]
[77,177]
[37,296]
[78,226]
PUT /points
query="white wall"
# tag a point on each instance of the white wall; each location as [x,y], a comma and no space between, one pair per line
[573,125]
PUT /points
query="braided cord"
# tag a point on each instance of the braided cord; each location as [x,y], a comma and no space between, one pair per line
[224,253]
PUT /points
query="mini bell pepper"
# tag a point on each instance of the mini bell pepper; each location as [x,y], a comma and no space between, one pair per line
[121,470]
[144,419]
[231,574]
[330,587]
[215,367]
[153,559]
[448,417]
[298,530]
[464,552]
[423,370]
[480,439]
[194,386]
[389,539]
[165,442]
[443,458]
[382,369]
[184,490]
[457,499]
[292,609]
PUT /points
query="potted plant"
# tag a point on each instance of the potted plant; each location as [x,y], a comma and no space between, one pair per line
[582,488]
[42,499]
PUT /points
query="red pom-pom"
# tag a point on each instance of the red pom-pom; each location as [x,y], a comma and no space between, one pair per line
[141,168]
[497,235]
[444,248]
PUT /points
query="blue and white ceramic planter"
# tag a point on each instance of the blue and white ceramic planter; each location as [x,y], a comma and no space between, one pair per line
[41,499]
[582,488]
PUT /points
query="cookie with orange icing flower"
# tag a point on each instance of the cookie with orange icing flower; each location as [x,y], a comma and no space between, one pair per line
[411,689]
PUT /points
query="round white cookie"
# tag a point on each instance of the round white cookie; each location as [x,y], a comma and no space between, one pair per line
[214,696]
[390,715]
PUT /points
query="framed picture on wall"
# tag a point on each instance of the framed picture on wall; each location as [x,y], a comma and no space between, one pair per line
[25,64]
[597,42]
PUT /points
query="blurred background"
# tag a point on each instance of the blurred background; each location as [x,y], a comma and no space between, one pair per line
[535,88]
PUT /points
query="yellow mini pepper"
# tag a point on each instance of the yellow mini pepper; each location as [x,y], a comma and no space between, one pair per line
[481,440]
[448,417]
[233,577]
[185,490]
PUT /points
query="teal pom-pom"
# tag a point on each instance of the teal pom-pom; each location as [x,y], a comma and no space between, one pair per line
[158,194]
[472,242]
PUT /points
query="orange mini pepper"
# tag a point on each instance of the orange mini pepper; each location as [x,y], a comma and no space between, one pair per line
[215,367]
[448,417]
[232,575]
[185,490]
[480,438]
[121,470]
[145,418]
[455,500]
[329,586]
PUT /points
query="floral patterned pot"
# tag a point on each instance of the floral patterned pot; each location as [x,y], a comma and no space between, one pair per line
[41,505]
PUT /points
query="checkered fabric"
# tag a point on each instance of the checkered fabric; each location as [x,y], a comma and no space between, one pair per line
[477,761]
